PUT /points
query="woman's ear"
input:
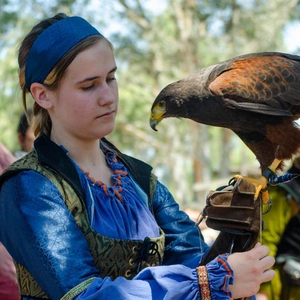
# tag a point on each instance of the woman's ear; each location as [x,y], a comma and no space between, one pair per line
[40,94]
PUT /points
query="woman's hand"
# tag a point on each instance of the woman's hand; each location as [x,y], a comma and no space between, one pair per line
[7,267]
[251,268]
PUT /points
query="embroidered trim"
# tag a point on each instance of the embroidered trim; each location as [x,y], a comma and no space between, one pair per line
[116,176]
[203,283]
[77,289]
[221,261]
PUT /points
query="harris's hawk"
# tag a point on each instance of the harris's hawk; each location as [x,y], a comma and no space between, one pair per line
[255,95]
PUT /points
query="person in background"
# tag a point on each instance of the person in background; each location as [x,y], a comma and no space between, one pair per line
[6,157]
[25,135]
[9,289]
[98,224]
[282,235]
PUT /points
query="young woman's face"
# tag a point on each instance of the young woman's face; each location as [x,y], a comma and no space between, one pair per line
[85,104]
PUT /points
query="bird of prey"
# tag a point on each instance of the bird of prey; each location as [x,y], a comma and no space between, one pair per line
[256,95]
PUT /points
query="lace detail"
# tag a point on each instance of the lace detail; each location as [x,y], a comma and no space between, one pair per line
[119,174]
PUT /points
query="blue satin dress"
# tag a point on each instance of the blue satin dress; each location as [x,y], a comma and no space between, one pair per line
[39,232]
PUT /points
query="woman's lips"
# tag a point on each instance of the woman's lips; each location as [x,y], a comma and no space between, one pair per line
[106,115]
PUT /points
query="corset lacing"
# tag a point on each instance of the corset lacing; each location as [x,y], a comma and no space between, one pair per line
[148,248]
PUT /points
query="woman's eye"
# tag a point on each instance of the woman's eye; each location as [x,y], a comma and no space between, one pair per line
[111,79]
[86,88]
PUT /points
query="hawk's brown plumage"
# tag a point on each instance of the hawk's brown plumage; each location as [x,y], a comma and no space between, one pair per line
[255,95]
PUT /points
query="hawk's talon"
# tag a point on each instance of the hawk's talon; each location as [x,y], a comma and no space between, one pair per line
[269,207]
[261,186]
[262,183]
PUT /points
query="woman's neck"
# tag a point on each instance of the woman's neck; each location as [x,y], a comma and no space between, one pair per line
[88,156]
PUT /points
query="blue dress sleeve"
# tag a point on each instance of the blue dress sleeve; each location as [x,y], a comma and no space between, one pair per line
[163,282]
[40,233]
[184,240]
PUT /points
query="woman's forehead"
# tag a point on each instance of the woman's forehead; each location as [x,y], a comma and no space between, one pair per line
[97,60]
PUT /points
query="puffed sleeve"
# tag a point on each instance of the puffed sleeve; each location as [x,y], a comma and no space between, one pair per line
[184,240]
[39,232]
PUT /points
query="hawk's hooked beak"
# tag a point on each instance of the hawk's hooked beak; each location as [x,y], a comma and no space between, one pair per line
[157,114]
[153,123]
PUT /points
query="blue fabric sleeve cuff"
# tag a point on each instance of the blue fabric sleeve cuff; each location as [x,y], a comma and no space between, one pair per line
[220,276]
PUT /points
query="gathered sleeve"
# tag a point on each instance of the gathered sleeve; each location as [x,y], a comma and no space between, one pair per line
[40,233]
[184,241]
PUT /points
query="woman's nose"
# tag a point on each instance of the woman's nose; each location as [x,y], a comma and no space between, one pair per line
[108,95]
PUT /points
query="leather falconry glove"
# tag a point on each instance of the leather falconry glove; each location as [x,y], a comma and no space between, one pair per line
[236,213]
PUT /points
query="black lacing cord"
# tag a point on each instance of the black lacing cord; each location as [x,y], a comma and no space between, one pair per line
[147,248]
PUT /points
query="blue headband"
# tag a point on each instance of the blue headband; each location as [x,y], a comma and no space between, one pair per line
[52,44]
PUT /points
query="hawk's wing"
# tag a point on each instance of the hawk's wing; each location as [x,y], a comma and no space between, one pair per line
[262,83]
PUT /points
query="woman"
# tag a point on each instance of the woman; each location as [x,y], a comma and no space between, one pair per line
[95,223]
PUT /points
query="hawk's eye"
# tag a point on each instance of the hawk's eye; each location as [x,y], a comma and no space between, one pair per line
[161,104]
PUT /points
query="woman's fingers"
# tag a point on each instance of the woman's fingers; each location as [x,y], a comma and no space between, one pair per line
[257,264]
[267,275]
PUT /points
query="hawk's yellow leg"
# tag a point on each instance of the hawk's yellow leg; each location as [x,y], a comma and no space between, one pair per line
[262,182]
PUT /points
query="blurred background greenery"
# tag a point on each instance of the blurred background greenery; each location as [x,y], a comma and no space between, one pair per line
[156,42]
